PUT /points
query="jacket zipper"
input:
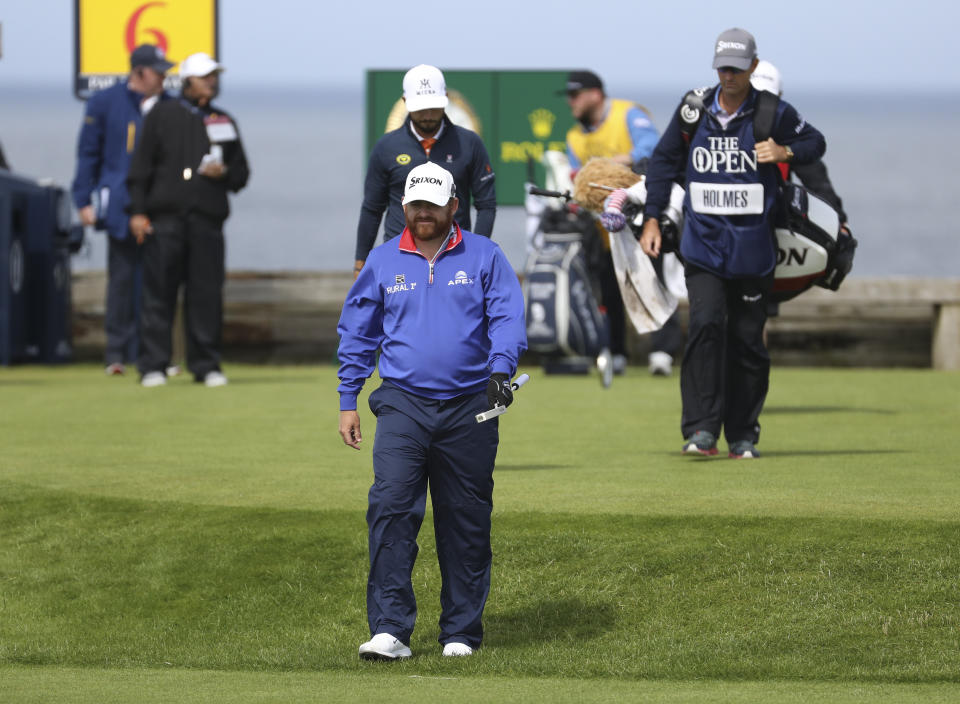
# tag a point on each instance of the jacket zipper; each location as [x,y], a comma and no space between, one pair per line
[436,256]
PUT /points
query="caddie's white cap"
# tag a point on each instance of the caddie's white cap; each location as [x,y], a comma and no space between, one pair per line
[199,64]
[767,77]
[429,182]
[424,88]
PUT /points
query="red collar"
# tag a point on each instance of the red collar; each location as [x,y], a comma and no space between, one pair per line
[408,245]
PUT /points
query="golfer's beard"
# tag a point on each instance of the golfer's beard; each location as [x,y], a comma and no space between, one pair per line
[428,229]
[426,126]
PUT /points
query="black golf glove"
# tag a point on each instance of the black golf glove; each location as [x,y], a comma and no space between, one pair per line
[499,390]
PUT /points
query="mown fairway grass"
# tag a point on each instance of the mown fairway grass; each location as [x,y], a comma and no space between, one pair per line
[193,544]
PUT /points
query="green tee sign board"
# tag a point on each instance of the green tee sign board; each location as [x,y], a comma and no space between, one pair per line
[518,114]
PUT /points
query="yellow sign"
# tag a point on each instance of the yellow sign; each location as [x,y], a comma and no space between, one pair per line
[541,122]
[108,30]
[541,126]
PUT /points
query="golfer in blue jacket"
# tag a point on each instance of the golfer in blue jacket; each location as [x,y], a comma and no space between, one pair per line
[445,309]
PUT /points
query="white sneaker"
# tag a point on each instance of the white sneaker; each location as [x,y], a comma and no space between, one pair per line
[605,366]
[151,379]
[456,650]
[661,363]
[384,646]
[214,379]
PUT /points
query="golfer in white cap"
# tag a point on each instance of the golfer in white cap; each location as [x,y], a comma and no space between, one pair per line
[444,308]
[427,135]
[189,159]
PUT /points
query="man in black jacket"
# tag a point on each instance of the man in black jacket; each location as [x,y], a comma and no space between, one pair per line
[189,156]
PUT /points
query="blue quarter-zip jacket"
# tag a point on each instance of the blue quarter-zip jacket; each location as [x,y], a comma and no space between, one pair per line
[443,328]
[110,131]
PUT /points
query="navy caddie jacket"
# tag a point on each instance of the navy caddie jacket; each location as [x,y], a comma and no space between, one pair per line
[731,200]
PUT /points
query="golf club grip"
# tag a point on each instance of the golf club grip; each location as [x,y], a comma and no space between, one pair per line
[520,381]
[544,192]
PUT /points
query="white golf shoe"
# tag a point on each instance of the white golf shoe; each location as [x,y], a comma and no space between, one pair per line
[384,646]
[153,379]
[661,363]
[214,379]
[456,650]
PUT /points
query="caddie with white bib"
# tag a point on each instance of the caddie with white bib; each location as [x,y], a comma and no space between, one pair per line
[727,243]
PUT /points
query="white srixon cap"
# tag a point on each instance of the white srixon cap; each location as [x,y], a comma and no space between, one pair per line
[199,64]
[424,88]
[431,183]
[767,77]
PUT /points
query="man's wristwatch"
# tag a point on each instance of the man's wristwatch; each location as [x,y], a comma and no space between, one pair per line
[789,154]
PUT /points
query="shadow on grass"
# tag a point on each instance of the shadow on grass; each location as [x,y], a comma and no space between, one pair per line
[549,620]
[827,453]
[722,455]
[784,410]
[527,467]
[254,380]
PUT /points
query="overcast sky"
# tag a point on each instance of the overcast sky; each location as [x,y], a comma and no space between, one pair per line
[818,44]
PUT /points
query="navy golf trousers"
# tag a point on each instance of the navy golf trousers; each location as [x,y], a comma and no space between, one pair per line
[422,441]
[121,319]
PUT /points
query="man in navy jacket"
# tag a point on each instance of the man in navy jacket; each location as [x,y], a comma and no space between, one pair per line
[108,136]
[727,243]
[445,309]
[426,135]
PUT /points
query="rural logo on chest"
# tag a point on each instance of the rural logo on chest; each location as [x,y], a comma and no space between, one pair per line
[399,284]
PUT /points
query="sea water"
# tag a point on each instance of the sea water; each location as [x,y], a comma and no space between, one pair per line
[893,161]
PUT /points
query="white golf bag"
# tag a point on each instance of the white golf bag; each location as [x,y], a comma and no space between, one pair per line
[811,249]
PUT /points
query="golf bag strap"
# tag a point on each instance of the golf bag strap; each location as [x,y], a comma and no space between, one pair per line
[764,115]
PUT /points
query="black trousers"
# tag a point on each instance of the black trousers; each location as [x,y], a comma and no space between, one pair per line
[726,368]
[669,338]
[186,250]
[122,314]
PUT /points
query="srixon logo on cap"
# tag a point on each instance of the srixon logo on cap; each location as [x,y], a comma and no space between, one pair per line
[417,180]
[731,45]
